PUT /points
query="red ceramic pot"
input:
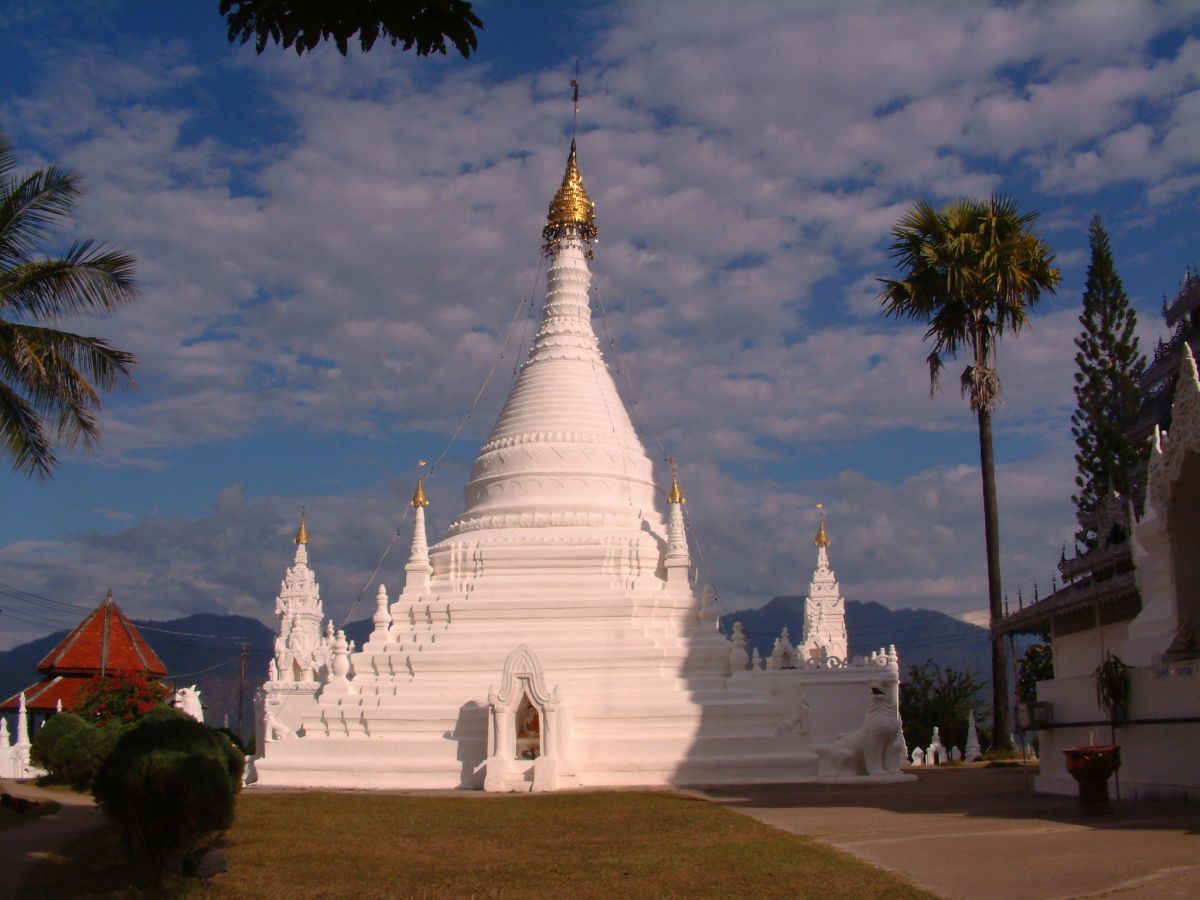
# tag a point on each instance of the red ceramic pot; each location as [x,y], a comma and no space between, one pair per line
[1091,767]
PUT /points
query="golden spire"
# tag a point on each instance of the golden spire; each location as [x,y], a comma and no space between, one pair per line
[302,531]
[676,496]
[822,539]
[419,501]
[571,207]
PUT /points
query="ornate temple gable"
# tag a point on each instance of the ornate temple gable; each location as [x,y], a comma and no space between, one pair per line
[523,671]
[1169,449]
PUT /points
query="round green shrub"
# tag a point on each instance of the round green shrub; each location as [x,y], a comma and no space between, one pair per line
[71,749]
[169,783]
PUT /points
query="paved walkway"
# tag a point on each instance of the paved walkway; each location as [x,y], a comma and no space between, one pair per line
[979,833]
[23,846]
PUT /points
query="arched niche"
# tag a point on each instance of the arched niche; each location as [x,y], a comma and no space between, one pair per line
[527,733]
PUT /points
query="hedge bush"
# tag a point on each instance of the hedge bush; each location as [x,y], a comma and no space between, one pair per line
[71,749]
[169,784]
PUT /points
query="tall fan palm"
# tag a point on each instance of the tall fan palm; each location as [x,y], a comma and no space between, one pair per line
[51,380]
[972,271]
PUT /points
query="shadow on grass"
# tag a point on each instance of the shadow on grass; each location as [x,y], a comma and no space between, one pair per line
[93,866]
[10,818]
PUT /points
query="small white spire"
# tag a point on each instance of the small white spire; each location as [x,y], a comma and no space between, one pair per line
[382,619]
[418,569]
[22,723]
[678,561]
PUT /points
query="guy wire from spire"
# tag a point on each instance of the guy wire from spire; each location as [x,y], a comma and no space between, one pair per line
[643,434]
[526,319]
[450,443]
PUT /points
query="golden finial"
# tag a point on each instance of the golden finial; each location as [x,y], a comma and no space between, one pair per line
[822,539]
[676,496]
[419,500]
[571,207]
[302,531]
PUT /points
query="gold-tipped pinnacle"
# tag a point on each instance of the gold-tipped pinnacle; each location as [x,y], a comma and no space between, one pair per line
[302,531]
[822,539]
[419,500]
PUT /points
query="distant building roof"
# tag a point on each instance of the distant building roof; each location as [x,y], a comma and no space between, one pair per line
[103,642]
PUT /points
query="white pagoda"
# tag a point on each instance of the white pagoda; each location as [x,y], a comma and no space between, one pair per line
[555,637]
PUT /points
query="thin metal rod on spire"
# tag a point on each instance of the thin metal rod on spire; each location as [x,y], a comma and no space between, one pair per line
[575,100]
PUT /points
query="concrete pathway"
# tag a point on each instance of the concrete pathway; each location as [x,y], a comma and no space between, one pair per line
[23,846]
[979,833]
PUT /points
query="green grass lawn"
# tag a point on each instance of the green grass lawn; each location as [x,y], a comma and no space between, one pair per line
[577,845]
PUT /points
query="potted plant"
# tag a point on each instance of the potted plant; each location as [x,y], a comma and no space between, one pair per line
[1093,765]
[1112,688]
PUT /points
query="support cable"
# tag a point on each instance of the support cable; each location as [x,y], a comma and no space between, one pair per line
[644,434]
[508,332]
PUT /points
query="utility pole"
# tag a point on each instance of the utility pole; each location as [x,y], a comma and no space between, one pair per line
[242,688]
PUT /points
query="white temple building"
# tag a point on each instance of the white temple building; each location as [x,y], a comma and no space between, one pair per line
[556,637]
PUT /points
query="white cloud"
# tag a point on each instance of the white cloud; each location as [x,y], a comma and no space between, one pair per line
[355,271]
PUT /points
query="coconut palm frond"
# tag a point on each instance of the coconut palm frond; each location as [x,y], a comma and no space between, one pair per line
[23,435]
[30,208]
[87,279]
[50,380]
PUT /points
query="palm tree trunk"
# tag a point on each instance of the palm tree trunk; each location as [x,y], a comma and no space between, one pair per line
[1001,718]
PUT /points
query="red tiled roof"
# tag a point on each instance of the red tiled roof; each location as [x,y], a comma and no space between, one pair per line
[44,696]
[104,641]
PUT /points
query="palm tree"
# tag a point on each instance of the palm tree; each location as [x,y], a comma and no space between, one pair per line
[972,271]
[51,380]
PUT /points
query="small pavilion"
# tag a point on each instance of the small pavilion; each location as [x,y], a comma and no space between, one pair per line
[106,641]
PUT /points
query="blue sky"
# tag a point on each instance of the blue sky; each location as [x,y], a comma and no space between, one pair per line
[332,249]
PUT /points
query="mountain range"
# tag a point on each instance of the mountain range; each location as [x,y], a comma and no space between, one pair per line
[206,649]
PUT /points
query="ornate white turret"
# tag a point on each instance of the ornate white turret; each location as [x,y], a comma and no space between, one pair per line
[678,562]
[299,653]
[824,609]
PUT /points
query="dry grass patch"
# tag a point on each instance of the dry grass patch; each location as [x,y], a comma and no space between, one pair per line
[578,845]
[634,844]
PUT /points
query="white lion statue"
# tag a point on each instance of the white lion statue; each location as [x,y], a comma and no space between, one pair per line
[873,748]
[188,699]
